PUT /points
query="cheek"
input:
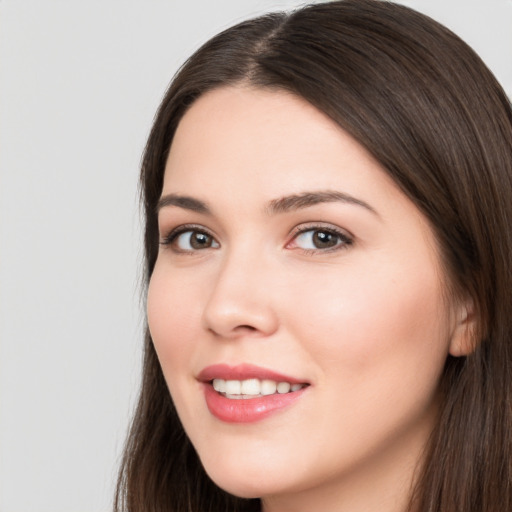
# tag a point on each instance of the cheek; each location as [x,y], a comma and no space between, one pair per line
[387,319]
[379,341]
[172,317]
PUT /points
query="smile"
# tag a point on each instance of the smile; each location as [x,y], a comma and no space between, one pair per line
[252,388]
[246,393]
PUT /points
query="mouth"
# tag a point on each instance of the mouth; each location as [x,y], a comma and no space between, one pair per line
[253,388]
[247,393]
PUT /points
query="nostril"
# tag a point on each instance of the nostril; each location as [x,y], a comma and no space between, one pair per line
[239,331]
[246,327]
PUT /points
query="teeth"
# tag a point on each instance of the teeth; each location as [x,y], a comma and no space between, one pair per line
[268,387]
[233,387]
[283,387]
[219,385]
[250,388]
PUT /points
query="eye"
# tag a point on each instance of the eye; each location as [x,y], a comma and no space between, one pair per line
[319,238]
[190,240]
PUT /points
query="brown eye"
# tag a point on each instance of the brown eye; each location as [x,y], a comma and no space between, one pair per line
[200,240]
[193,240]
[324,239]
[318,239]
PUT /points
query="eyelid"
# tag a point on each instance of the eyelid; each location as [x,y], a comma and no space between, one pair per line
[345,236]
[183,228]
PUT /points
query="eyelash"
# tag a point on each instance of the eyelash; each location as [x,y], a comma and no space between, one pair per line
[172,237]
[344,239]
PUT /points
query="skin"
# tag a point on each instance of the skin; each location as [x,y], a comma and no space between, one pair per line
[367,322]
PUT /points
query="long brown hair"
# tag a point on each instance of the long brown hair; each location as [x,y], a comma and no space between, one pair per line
[427,108]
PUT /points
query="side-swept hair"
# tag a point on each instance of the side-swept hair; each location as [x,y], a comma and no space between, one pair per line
[427,108]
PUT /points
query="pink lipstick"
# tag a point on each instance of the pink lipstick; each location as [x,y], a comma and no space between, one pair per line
[247,393]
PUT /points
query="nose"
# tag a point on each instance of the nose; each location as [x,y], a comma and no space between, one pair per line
[240,302]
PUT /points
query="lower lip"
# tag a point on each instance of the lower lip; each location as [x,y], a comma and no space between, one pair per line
[247,410]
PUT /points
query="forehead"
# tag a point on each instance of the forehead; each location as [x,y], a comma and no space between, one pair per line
[272,139]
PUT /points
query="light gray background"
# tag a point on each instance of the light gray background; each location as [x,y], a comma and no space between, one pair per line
[79,84]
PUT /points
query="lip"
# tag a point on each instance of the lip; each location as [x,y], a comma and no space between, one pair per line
[243,372]
[251,409]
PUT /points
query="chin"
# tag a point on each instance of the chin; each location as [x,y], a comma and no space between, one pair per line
[243,482]
[241,487]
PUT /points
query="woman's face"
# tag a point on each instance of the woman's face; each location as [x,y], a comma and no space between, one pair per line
[299,280]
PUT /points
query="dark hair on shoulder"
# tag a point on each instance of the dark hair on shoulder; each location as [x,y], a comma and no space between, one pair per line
[428,109]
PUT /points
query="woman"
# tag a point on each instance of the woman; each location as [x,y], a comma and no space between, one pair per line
[328,200]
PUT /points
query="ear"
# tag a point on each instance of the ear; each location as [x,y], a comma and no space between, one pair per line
[464,337]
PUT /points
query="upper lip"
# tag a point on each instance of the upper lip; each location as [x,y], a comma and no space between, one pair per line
[243,372]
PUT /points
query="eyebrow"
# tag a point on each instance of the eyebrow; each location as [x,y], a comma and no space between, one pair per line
[186,202]
[306,199]
[274,207]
